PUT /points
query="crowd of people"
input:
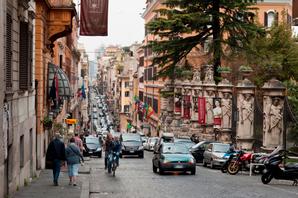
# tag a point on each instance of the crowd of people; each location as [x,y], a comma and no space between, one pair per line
[57,154]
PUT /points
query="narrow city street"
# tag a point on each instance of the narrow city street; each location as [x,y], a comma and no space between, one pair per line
[135,178]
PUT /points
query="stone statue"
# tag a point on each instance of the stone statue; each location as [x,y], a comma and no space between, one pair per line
[275,122]
[217,115]
[209,107]
[226,111]
[246,115]
[209,75]
[196,76]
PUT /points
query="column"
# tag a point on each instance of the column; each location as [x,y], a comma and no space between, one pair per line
[273,104]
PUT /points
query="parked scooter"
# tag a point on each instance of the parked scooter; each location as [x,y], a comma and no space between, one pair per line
[273,170]
[229,156]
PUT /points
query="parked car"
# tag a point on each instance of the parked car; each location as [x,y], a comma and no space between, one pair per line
[92,146]
[214,154]
[94,110]
[94,115]
[173,157]
[149,145]
[132,144]
[198,150]
[186,141]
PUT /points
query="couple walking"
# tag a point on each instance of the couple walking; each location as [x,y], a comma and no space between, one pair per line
[57,154]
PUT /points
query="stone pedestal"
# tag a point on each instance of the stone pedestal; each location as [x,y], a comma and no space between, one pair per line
[245,108]
[273,105]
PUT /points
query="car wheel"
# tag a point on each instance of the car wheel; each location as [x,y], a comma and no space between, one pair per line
[193,171]
[99,155]
[154,168]
[204,163]
[161,171]
[141,155]
[120,155]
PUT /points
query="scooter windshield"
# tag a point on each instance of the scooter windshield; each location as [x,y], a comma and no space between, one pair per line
[276,151]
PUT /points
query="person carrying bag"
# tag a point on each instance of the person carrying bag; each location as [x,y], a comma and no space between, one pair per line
[73,159]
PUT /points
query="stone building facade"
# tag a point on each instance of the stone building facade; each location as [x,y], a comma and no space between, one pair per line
[18,132]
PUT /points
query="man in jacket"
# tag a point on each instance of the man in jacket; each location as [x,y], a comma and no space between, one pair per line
[56,154]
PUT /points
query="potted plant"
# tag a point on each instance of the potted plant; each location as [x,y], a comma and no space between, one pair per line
[245,70]
[224,71]
[47,122]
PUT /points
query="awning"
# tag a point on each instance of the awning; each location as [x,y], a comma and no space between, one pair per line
[63,82]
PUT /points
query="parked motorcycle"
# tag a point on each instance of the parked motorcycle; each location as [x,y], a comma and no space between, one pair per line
[273,170]
[259,159]
[239,162]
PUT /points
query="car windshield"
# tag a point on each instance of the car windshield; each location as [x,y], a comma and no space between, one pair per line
[187,144]
[175,149]
[92,141]
[221,148]
[131,138]
[153,140]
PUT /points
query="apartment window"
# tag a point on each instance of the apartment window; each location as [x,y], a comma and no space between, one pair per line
[145,74]
[8,51]
[150,73]
[155,73]
[269,18]
[25,56]
[155,105]
[126,84]
[141,95]
[141,61]
[141,80]
[21,150]
[126,108]
[126,94]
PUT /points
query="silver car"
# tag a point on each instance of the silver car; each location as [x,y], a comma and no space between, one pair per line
[214,153]
[149,145]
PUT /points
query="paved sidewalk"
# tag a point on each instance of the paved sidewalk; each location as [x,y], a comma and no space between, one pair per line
[42,187]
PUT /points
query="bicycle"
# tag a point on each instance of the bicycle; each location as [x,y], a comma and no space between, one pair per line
[113,162]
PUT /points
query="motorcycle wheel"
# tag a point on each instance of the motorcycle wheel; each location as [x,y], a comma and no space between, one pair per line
[266,178]
[233,168]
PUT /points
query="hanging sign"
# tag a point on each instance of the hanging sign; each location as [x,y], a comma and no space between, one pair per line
[202,110]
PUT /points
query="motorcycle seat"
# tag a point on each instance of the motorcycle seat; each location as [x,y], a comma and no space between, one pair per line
[291,166]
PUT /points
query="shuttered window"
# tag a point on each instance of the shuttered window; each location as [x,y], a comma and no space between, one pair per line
[25,57]
[155,105]
[8,51]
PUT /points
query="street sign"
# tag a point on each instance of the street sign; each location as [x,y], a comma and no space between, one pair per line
[70,121]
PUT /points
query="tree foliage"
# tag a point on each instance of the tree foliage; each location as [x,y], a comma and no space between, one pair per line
[184,25]
[274,55]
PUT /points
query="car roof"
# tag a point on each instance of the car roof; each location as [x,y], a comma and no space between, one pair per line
[170,135]
[219,143]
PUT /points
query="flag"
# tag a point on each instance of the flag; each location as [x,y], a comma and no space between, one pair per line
[94,18]
[150,112]
[83,91]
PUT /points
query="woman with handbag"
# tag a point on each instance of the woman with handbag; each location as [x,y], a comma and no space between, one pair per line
[73,159]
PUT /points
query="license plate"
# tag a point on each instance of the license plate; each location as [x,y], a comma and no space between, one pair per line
[179,166]
[131,151]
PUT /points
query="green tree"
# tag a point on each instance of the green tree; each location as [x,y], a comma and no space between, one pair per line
[274,55]
[186,24]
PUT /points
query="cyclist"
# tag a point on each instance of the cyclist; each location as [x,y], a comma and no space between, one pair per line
[108,146]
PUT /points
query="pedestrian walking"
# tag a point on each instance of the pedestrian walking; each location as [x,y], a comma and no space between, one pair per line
[73,159]
[55,156]
[79,142]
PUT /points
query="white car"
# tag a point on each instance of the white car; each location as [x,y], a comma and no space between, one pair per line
[149,145]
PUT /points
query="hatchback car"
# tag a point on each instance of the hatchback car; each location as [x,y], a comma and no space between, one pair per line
[132,145]
[198,150]
[185,141]
[214,154]
[173,157]
[92,146]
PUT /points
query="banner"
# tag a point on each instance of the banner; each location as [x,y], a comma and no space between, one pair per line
[94,18]
[186,107]
[202,110]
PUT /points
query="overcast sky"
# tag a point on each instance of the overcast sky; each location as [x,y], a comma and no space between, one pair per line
[125,26]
